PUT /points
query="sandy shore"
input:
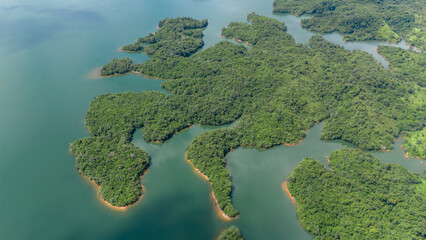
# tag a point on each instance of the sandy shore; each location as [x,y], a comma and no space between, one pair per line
[197,171]
[121,50]
[221,214]
[300,141]
[219,211]
[98,188]
[95,73]
[293,144]
[284,187]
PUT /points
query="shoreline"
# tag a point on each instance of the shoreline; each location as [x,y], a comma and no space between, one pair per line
[121,50]
[296,143]
[409,45]
[284,187]
[176,132]
[98,188]
[406,152]
[95,73]
[219,211]
[300,141]
[408,157]
[109,205]
[387,60]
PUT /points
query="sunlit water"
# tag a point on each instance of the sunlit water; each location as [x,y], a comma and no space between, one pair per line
[47,51]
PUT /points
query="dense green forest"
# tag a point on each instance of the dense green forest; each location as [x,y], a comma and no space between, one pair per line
[231,233]
[385,20]
[415,144]
[277,89]
[406,63]
[207,152]
[117,66]
[175,36]
[357,197]
[113,164]
[410,66]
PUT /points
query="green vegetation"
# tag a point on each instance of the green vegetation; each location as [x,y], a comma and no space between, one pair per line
[117,66]
[406,63]
[207,153]
[386,20]
[385,33]
[113,164]
[260,27]
[358,198]
[415,144]
[231,233]
[175,36]
[410,66]
[276,89]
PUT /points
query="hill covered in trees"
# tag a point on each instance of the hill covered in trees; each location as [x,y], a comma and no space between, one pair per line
[277,89]
[357,197]
[386,20]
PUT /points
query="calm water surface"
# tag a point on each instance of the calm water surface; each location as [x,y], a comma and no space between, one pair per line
[47,50]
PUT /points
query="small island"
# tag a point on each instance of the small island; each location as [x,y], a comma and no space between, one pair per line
[277,89]
[231,233]
[385,20]
[357,197]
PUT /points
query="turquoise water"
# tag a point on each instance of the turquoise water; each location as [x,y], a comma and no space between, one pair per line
[47,51]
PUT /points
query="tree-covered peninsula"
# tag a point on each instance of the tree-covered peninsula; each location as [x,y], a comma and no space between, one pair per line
[231,233]
[385,20]
[357,197]
[277,89]
[175,36]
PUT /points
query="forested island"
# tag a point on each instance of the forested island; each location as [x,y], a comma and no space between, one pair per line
[385,20]
[277,89]
[231,233]
[357,197]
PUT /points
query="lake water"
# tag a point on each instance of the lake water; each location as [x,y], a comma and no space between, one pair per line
[47,51]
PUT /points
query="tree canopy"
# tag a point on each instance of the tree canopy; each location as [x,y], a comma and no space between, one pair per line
[357,197]
[410,66]
[231,233]
[385,20]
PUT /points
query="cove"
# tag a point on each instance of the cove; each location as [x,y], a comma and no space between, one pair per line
[257,175]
